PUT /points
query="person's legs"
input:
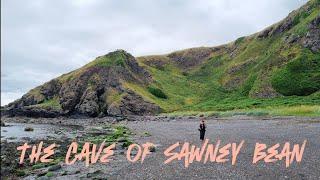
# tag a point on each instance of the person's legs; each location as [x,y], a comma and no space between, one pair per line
[201,135]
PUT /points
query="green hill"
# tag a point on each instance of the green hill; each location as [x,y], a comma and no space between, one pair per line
[276,68]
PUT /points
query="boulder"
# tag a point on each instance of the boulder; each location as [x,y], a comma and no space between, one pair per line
[28,129]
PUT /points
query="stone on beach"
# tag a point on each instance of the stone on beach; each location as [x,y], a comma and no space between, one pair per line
[28,129]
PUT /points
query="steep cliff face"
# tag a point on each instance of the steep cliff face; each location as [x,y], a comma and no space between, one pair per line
[279,64]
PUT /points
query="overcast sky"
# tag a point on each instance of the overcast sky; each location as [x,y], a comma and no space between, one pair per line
[42,39]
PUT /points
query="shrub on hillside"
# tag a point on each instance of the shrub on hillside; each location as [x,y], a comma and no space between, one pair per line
[157,92]
[185,73]
[299,77]
[239,40]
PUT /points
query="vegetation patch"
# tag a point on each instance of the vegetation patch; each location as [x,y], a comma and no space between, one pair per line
[39,166]
[157,92]
[299,77]
[239,40]
[118,134]
[283,110]
[112,95]
[49,174]
[50,103]
[20,172]
[116,58]
[248,85]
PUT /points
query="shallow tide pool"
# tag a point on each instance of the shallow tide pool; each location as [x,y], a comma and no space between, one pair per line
[16,131]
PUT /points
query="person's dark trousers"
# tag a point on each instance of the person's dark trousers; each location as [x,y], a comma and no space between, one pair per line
[202,134]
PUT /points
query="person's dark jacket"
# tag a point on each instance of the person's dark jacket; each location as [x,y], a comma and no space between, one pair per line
[202,127]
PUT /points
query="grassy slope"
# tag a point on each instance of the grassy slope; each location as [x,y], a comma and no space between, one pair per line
[51,103]
[230,81]
[204,88]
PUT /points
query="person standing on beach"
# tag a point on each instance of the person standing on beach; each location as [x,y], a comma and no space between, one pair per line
[202,129]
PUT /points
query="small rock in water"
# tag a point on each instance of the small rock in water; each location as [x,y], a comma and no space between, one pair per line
[3,124]
[28,129]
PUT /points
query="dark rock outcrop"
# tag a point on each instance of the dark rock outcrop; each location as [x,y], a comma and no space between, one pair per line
[283,26]
[265,33]
[278,28]
[88,103]
[50,89]
[191,57]
[30,111]
[133,104]
[312,38]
